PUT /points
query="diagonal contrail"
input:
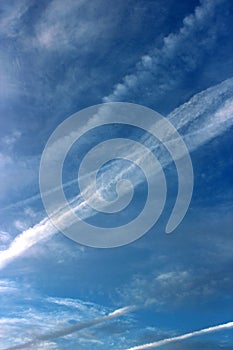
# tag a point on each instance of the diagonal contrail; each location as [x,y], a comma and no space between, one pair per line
[69,330]
[208,124]
[182,337]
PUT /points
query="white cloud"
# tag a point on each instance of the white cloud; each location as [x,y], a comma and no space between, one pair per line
[29,237]
[53,334]
[11,15]
[161,70]
[84,307]
[159,343]
[39,316]
[10,140]
[7,286]
[202,124]
[168,289]
[20,225]
[4,237]
[73,24]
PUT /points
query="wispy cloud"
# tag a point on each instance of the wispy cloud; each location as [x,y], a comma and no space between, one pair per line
[7,287]
[42,315]
[69,330]
[198,121]
[4,239]
[162,70]
[159,343]
[11,15]
[29,237]
[59,28]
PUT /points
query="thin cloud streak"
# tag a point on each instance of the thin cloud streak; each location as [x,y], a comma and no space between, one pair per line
[156,344]
[34,198]
[201,126]
[69,330]
[182,116]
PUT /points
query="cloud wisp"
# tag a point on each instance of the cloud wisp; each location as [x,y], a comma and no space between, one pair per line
[25,240]
[69,330]
[207,115]
[159,343]
[177,52]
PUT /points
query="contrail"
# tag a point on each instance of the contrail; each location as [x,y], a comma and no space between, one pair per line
[69,330]
[182,337]
[205,116]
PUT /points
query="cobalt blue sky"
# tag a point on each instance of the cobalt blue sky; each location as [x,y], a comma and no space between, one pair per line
[58,57]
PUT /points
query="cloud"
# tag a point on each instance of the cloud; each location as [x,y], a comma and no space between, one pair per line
[55,31]
[29,237]
[10,140]
[170,289]
[69,330]
[46,51]
[159,343]
[7,286]
[163,70]
[11,15]
[26,315]
[204,117]
[4,239]
[47,76]
[73,25]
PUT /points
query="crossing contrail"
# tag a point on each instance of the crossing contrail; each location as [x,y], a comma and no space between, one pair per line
[202,125]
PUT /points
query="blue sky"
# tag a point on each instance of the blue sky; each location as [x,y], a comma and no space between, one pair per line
[57,58]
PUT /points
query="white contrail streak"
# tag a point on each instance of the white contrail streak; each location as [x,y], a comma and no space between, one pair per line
[69,330]
[201,124]
[156,344]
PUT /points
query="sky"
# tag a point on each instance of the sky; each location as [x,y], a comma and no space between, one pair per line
[168,291]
